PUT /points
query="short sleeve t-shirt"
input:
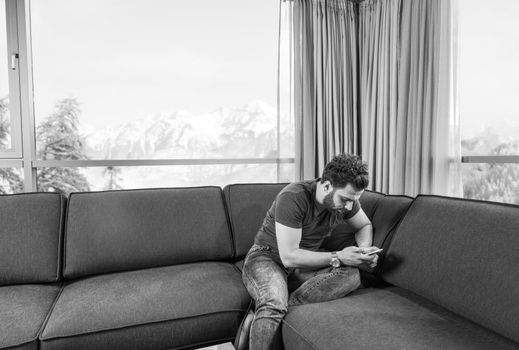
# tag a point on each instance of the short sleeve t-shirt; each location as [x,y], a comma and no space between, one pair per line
[295,206]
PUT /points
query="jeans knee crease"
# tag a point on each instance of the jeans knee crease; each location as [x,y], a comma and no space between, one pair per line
[318,283]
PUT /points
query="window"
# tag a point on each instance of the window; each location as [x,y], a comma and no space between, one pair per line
[138,94]
[489,89]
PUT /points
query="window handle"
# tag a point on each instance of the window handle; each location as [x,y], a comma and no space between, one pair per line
[14,58]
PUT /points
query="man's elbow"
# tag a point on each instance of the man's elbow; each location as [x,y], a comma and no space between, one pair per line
[287,260]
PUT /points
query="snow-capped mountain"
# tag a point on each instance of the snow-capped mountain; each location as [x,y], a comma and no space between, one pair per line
[493,140]
[247,131]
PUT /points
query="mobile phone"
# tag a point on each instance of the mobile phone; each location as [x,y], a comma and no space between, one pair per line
[375,251]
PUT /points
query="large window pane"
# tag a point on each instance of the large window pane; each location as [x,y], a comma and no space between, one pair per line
[66,180]
[494,182]
[489,76]
[155,80]
[5,119]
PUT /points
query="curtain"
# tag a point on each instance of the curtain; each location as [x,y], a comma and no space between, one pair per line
[378,67]
[376,78]
[409,119]
[325,91]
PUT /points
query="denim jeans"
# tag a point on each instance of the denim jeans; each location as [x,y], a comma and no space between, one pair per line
[268,281]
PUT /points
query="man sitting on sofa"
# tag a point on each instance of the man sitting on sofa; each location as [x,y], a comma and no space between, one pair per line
[286,248]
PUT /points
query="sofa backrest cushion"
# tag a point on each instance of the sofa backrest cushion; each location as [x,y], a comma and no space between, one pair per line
[30,235]
[126,230]
[369,202]
[384,211]
[462,255]
[388,213]
[247,205]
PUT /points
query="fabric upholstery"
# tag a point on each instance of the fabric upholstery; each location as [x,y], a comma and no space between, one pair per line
[369,202]
[29,346]
[462,255]
[23,309]
[389,318]
[247,205]
[390,210]
[239,264]
[177,334]
[126,230]
[189,304]
[30,237]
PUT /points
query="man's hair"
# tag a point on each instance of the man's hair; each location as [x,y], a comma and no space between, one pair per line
[346,169]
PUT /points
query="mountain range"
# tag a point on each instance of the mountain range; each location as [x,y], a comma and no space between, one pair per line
[500,139]
[246,131]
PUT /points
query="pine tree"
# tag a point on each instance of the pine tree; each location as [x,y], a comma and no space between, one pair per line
[10,179]
[59,139]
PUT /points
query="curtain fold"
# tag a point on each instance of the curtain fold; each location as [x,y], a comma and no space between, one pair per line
[409,121]
[325,82]
[378,67]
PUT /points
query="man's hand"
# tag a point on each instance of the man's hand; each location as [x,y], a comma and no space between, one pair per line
[369,265]
[352,256]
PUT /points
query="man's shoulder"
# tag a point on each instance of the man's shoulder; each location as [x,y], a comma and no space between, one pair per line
[294,203]
[300,193]
[299,188]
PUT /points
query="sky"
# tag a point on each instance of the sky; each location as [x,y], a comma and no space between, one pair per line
[3,50]
[124,60]
[488,65]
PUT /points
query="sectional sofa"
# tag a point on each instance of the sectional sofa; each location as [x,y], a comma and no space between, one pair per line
[160,269]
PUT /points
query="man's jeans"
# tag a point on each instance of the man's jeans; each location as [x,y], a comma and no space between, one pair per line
[269,284]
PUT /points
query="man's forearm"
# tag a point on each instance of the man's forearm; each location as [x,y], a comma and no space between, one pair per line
[306,258]
[364,236]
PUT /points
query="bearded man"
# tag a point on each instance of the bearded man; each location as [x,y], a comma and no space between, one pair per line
[286,265]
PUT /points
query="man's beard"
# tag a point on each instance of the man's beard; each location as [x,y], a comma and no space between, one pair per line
[328,202]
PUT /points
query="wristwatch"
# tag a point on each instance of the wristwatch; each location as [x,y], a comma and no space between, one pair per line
[335,262]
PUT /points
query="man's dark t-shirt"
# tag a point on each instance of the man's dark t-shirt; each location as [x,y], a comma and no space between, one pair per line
[295,206]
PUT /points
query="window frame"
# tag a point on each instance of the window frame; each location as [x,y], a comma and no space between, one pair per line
[510,159]
[13,85]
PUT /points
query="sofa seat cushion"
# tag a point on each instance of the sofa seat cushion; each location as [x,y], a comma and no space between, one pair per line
[389,318]
[23,309]
[163,307]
